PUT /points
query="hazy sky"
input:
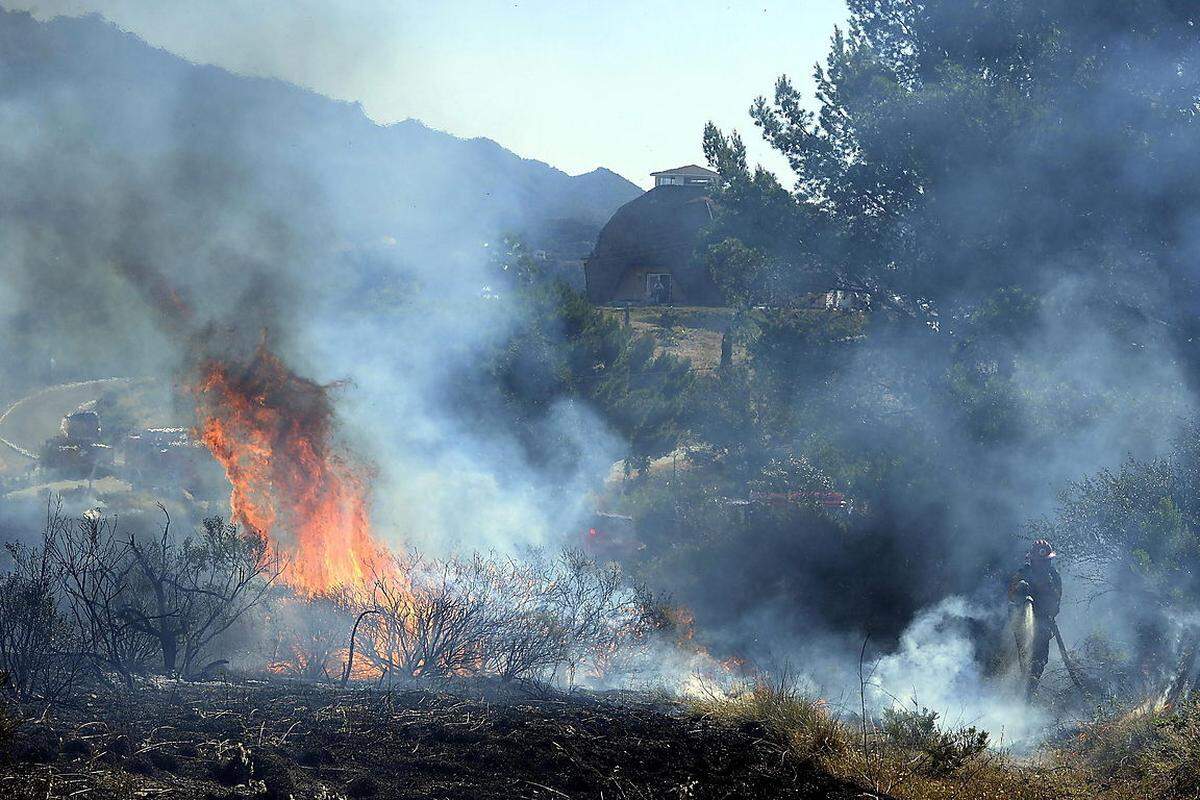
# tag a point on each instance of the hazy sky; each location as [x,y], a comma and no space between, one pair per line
[626,84]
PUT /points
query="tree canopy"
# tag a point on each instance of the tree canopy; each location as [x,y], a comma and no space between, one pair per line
[962,148]
[1011,190]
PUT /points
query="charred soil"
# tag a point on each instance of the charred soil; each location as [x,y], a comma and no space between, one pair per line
[178,740]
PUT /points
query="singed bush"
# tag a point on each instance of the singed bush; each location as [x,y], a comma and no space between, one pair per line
[803,725]
[538,618]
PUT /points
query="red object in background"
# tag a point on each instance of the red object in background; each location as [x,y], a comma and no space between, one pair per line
[610,536]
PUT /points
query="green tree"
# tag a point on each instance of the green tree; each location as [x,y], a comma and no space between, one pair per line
[961,148]
[1136,528]
[1002,180]
[560,347]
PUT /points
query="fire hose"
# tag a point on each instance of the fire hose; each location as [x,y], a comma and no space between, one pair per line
[1072,670]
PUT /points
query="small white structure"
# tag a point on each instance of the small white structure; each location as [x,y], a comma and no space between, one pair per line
[690,175]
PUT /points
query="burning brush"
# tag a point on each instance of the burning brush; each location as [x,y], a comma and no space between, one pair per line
[271,430]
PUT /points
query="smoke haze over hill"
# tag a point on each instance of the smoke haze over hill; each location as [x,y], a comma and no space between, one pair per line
[152,207]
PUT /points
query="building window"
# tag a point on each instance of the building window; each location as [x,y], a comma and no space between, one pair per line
[658,288]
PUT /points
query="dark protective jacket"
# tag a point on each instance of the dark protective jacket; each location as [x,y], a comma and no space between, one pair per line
[1045,587]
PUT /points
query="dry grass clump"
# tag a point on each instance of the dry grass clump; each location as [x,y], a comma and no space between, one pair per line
[1171,764]
[802,725]
[909,756]
[1151,754]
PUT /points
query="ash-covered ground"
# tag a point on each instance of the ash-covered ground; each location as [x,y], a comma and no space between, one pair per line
[282,739]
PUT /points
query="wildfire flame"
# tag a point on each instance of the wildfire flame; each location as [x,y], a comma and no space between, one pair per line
[271,430]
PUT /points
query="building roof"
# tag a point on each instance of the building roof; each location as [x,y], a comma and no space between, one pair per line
[688,169]
[656,232]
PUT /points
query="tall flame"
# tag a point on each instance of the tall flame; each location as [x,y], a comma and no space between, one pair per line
[272,432]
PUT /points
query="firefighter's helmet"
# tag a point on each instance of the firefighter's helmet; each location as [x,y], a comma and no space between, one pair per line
[1042,549]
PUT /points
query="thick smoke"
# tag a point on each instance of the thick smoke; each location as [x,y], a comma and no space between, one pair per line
[1099,233]
[200,210]
[911,597]
[155,211]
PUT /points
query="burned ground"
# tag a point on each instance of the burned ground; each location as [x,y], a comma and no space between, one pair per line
[273,740]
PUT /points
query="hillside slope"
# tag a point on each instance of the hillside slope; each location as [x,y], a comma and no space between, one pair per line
[144,195]
[394,180]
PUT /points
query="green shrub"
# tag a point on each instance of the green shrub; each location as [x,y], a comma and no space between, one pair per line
[943,752]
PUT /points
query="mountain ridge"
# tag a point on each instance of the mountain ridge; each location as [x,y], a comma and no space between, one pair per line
[400,180]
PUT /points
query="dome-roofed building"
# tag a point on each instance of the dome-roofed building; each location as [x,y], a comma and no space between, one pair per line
[644,253]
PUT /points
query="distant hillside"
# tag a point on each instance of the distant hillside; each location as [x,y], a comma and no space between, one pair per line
[141,194]
[398,181]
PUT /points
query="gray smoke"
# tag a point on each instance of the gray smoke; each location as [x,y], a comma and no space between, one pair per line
[154,210]
[151,208]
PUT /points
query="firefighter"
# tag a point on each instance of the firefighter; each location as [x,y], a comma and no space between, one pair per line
[1038,582]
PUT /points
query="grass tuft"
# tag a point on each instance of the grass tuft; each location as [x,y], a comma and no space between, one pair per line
[802,725]
[909,756]
[1156,754]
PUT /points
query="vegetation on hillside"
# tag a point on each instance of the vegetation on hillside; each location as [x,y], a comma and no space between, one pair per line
[1008,190]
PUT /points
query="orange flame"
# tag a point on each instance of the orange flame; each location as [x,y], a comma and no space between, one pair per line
[271,430]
